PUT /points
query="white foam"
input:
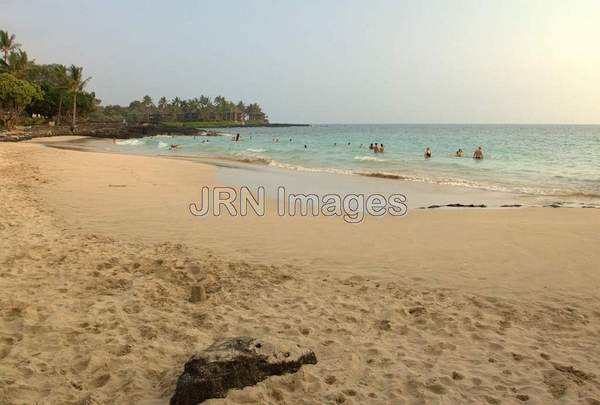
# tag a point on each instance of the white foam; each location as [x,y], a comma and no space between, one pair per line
[369,158]
[131,142]
[299,168]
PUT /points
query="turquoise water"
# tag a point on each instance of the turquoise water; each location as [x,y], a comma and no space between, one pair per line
[538,160]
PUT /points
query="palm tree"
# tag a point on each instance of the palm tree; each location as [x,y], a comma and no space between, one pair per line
[147,103]
[176,108]
[7,44]
[205,107]
[221,107]
[62,83]
[163,104]
[76,85]
[254,112]
[17,63]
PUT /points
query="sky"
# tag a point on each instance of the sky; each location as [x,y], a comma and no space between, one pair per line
[333,61]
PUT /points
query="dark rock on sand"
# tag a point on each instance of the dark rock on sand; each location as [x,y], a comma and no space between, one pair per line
[233,364]
[459,205]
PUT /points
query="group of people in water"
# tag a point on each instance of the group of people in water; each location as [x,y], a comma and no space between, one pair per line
[375,147]
[477,154]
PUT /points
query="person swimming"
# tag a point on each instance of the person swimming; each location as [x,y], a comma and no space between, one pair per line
[427,153]
[478,154]
[173,146]
[371,147]
[237,137]
[381,148]
[459,153]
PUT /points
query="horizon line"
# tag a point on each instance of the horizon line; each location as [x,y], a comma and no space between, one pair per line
[437,123]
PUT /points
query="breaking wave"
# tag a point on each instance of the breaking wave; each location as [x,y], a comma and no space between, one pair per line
[131,142]
[369,159]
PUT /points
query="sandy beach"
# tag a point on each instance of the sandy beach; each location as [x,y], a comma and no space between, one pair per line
[98,254]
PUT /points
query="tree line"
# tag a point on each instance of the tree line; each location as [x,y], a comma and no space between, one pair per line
[56,93]
[201,108]
[51,91]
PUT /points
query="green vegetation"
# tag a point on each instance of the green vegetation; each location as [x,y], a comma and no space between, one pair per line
[15,95]
[198,111]
[213,124]
[75,85]
[57,83]
[49,91]
[55,92]
[8,44]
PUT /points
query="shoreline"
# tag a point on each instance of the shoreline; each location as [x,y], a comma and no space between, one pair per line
[476,197]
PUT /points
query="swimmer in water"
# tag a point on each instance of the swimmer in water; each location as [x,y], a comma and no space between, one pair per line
[478,154]
[459,153]
[427,153]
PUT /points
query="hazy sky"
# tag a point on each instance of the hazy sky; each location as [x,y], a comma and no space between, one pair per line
[353,61]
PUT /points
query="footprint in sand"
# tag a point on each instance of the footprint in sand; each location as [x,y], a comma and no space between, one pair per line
[100,381]
[456,376]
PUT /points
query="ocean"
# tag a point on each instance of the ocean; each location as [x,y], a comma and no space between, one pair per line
[538,160]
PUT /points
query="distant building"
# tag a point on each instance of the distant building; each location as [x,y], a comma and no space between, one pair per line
[238,115]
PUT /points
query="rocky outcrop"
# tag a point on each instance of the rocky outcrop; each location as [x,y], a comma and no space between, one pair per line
[233,364]
[98,130]
[108,130]
[13,137]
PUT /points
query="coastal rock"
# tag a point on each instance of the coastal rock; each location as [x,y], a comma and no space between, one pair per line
[13,137]
[233,364]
